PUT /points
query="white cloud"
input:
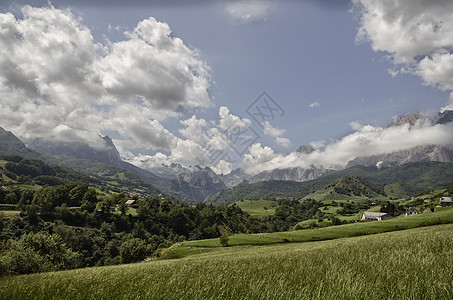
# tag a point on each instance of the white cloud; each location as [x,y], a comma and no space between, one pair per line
[188,153]
[149,161]
[57,83]
[416,34]
[365,141]
[194,129]
[314,104]
[277,134]
[355,125]
[450,105]
[222,167]
[157,67]
[318,144]
[249,11]
[285,142]
[230,122]
[271,131]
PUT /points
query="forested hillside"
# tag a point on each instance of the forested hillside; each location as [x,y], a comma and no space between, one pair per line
[416,178]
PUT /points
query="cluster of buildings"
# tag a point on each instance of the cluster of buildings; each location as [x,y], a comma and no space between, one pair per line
[411,211]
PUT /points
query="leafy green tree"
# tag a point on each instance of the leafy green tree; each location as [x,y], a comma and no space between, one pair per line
[133,250]
[38,252]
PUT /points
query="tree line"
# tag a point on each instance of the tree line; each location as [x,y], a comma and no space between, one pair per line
[72,226]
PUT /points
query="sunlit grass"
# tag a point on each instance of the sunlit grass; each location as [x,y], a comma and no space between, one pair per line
[333,232]
[410,264]
[258,208]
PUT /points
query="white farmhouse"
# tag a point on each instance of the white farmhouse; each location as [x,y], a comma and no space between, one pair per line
[375,216]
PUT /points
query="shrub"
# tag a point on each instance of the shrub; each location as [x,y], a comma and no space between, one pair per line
[224,240]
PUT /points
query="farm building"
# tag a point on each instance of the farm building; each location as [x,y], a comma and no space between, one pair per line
[445,201]
[375,216]
[411,211]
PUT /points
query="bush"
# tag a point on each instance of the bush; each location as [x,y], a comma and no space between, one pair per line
[224,240]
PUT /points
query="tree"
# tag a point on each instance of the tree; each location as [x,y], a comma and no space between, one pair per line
[133,250]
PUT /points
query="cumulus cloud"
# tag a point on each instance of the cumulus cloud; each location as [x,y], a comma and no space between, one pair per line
[223,167]
[194,129]
[249,11]
[230,122]
[367,140]
[416,34]
[156,67]
[57,83]
[277,134]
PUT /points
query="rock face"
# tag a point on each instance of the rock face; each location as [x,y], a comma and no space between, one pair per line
[196,182]
[305,149]
[412,119]
[444,117]
[235,177]
[416,154]
[11,145]
[291,174]
[106,152]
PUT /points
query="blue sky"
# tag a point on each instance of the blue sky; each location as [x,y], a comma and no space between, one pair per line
[307,56]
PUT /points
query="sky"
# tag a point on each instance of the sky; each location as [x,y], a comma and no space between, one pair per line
[227,83]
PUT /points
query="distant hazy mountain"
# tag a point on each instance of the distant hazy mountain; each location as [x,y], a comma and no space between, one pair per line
[235,177]
[292,174]
[305,149]
[415,154]
[188,184]
[107,153]
[11,145]
[200,182]
[195,182]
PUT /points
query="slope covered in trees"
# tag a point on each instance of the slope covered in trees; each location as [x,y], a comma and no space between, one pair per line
[417,177]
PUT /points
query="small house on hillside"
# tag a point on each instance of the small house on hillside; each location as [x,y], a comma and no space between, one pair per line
[130,202]
[411,211]
[375,216]
[445,201]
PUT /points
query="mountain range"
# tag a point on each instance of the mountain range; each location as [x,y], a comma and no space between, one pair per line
[195,184]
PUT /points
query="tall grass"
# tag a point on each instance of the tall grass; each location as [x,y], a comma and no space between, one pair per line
[410,264]
[443,216]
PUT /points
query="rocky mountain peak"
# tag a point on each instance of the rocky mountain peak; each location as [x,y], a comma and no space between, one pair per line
[412,119]
[113,155]
[235,177]
[444,117]
[305,149]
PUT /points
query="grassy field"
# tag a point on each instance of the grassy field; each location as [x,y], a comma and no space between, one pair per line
[349,230]
[409,264]
[328,195]
[258,208]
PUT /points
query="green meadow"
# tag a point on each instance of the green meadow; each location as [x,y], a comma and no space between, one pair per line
[258,208]
[409,264]
[443,215]
[353,261]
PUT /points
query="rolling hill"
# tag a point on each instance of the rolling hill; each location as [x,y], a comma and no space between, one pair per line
[412,179]
[398,265]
